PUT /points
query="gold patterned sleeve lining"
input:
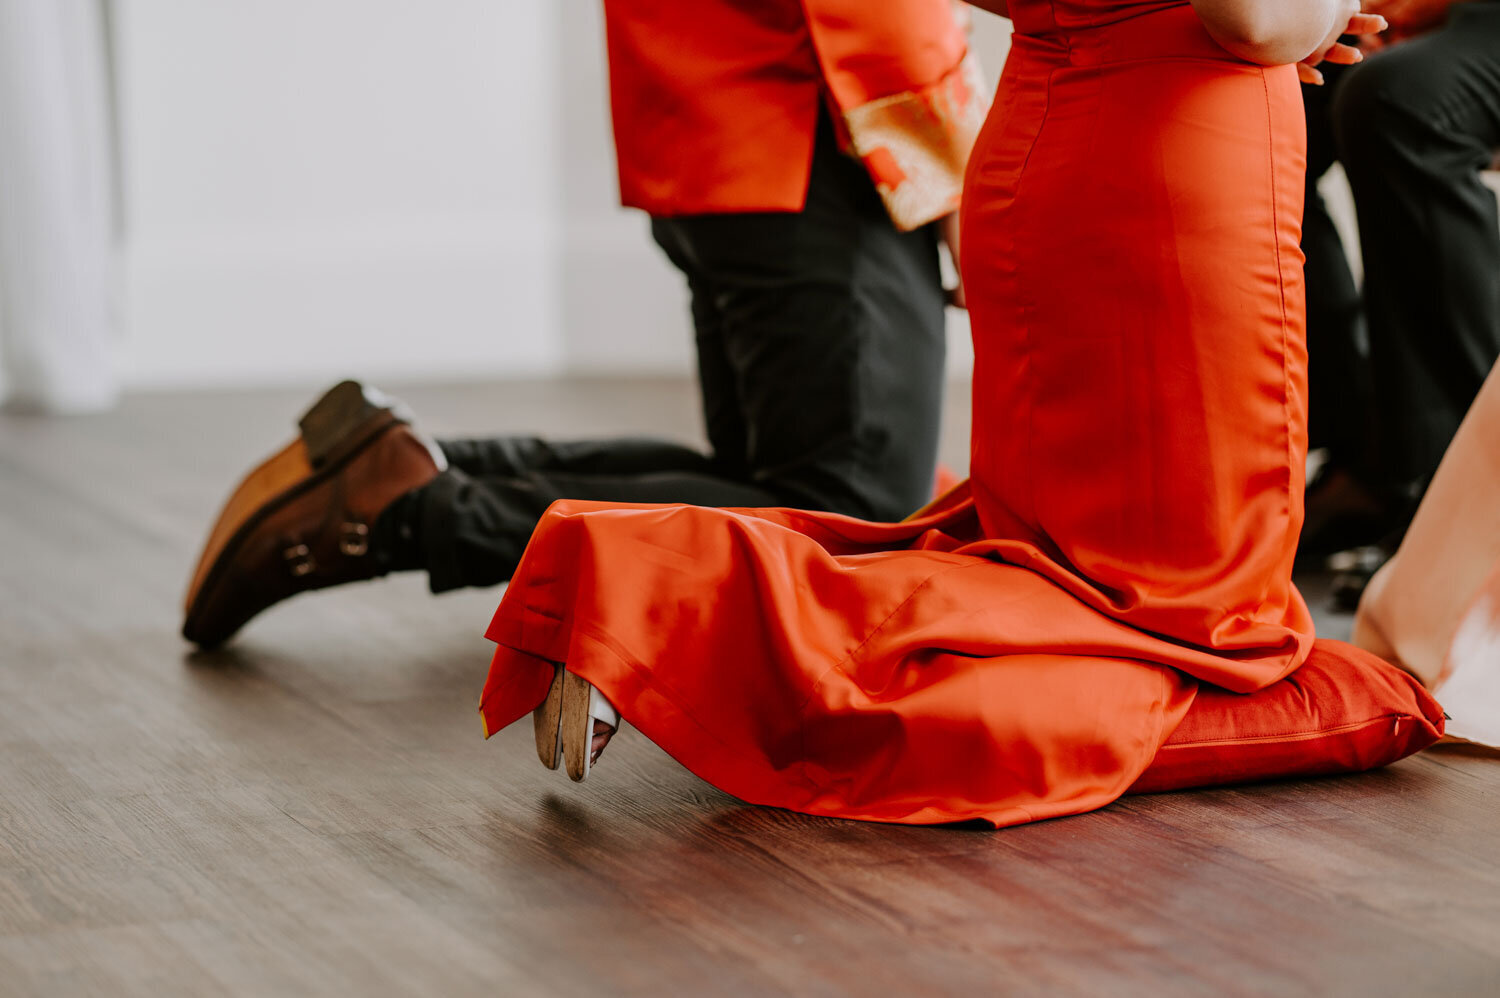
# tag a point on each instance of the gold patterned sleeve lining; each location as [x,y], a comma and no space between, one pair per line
[915,144]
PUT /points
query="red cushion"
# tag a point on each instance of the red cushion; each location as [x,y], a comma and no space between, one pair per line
[1344,711]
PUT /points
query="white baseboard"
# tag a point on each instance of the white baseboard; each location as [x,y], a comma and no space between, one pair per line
[276,311]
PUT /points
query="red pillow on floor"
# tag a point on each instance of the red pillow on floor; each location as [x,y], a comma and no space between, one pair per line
[1344,711]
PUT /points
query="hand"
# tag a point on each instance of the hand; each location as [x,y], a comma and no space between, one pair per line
[1333,50]
[948,228]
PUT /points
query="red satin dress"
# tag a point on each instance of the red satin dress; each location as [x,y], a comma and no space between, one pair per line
[1021,649]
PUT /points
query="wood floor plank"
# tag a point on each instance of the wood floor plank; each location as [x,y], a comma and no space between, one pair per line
[312,810]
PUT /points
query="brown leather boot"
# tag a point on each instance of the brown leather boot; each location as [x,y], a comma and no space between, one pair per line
[302,519]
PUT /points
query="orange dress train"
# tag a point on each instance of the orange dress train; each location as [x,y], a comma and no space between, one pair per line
[1022,649]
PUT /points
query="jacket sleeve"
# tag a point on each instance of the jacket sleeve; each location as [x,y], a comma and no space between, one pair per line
[910,97]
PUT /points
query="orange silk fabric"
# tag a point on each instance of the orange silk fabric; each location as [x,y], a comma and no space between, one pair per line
[1022,649]
[1131,225]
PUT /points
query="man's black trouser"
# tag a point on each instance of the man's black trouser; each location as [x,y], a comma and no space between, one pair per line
[1394,369]
[820,341]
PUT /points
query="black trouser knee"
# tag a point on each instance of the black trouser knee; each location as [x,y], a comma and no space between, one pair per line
[1414,127]
[820,339]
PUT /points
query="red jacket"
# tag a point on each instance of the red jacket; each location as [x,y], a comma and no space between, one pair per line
[715,101]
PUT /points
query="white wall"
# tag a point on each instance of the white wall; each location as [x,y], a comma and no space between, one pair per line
[322,187]
[385,188]
[624,308]
[391,189]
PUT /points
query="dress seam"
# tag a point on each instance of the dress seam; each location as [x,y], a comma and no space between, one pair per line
[838,666]
[1286,407]
[1036,140]
[1290,736]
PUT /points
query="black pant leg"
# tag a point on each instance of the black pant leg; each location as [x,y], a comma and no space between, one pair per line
[832,328]
[506,457]
[502,457]
[820,339]
[469,526]
[472,530]
[1338,364]
[718,386]
[1415,126]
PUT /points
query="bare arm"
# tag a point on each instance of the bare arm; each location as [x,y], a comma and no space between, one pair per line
[1275,32]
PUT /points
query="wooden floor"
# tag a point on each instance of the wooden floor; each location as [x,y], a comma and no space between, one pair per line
[313,811]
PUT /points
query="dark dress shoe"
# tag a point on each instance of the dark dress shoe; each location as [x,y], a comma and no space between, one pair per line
[302,519]
[1341,514]
[1353,570]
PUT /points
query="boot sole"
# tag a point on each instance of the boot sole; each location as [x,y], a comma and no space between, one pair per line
[546,722]
[577,726]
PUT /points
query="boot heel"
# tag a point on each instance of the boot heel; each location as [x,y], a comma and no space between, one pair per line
[336,417]
[546,722]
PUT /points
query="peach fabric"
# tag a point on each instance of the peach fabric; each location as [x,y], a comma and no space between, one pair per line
[1023,648]
[715,104]
[1434,609]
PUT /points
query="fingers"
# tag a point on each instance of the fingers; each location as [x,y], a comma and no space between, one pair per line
[1366,24]
[1345,55]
